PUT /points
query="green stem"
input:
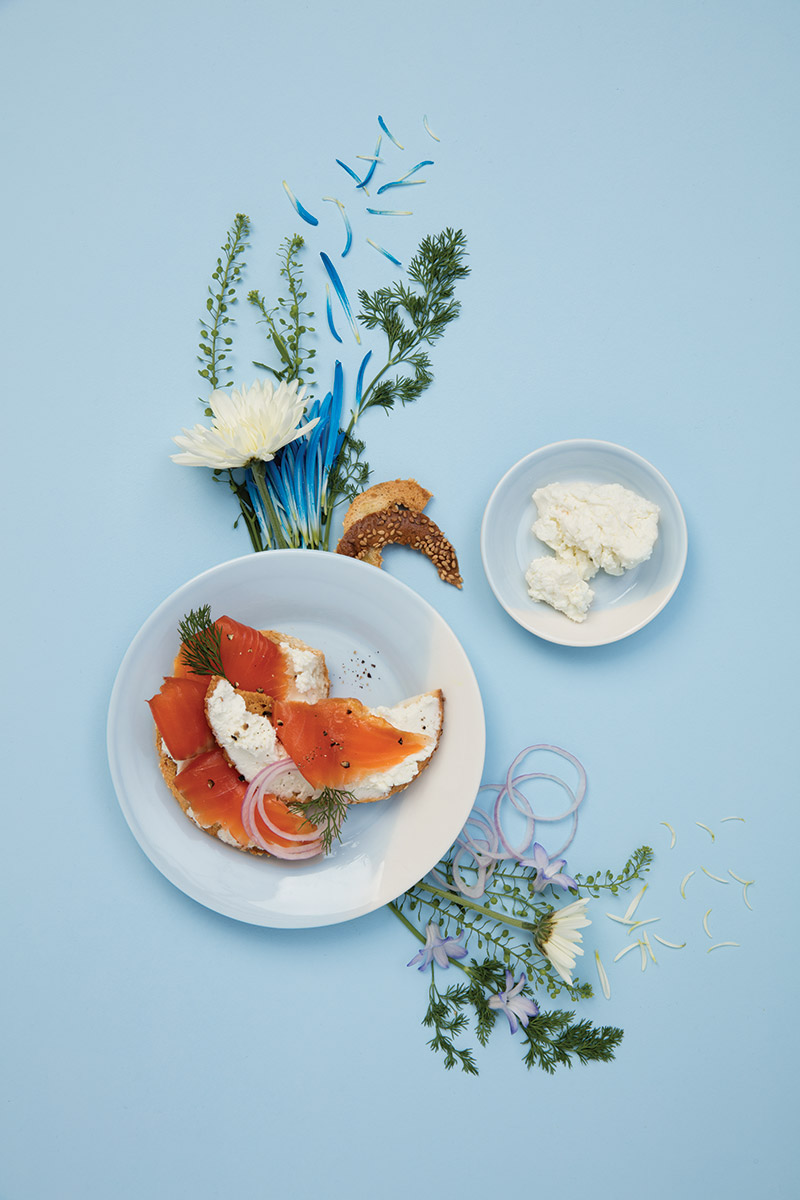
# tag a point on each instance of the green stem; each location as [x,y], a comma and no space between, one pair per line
[465,902]
[258,475]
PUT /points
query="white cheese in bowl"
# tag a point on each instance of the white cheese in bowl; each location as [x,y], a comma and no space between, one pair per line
[590,527]
[559,584]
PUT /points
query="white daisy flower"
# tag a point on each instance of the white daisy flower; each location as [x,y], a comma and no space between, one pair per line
[247,426]
[560,936]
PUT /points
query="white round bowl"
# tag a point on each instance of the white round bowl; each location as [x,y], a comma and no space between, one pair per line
[622,604]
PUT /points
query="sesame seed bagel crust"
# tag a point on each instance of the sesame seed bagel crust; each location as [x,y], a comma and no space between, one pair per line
[402,527]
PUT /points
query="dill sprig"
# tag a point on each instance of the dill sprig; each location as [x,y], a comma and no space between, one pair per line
[328,811]
[506,926]
[411,319]
[286,321]
[201,642]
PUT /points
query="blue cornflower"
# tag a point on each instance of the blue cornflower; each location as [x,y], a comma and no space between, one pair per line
[437,949]
[546,871]
[513,1004]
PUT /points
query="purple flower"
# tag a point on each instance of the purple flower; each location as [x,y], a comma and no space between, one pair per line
[546,871]
[437,949]
[513,1004]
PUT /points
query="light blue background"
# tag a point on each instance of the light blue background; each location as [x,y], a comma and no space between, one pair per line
[626,174]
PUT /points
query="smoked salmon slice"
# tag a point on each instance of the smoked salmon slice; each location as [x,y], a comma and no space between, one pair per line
[179,713]
[250,660]
[215,793]
[338,742]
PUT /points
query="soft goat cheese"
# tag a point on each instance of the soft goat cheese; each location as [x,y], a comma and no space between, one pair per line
[590,527]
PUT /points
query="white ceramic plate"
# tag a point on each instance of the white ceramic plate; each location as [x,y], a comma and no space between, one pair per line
[622,603]
[382,643]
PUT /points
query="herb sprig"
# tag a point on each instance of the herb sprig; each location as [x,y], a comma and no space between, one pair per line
[508,925]
[201,642]
[410,319]
[328,811]
[286,321]
[215,343]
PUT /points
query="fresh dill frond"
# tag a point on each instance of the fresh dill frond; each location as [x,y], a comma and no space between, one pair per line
[201,642]
[327,811]
[411,318]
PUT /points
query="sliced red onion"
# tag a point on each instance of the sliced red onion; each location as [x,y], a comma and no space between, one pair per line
[307,847]
[530,822]
[490,845]
[311,836]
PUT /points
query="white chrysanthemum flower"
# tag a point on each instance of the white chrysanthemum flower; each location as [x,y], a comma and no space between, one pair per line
[561,936]
[247,426]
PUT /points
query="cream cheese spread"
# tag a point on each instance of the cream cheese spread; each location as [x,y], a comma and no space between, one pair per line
[590,527]
[310,677]
[420,714]
[249,739]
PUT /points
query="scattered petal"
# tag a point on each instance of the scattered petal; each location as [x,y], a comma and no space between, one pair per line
[707,829]
[717,945]
[346,219]
[684,882]
[374,162]
[643,949]
[672,945]
[352,173]
[601,972]
[738,878]
[391,257]
[705,923]
[733,818]
[329,311]
[390,136]
[710,876]
[303,212]
[634,904]
[390,212]
[622,953]
[401,183]
[338,287]
[428,129]
[646,941]
[672,831]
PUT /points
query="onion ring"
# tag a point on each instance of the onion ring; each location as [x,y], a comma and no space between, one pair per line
[490,845]
[253,802]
